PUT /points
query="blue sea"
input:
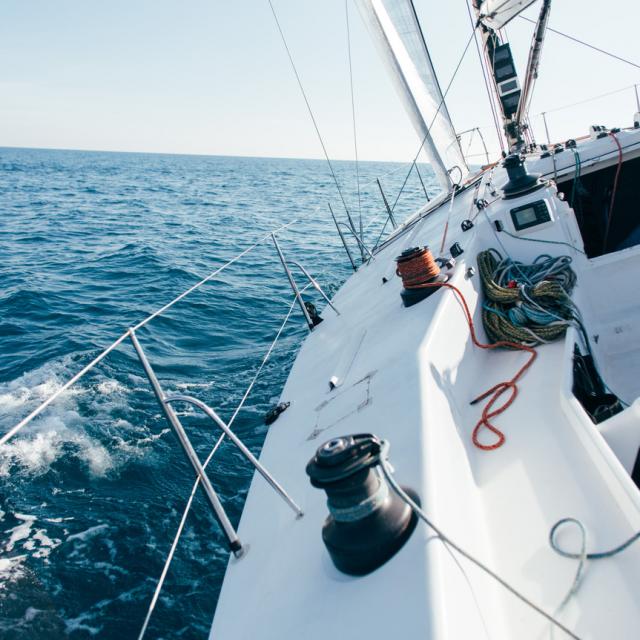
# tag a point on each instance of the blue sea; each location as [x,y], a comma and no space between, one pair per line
[91,493]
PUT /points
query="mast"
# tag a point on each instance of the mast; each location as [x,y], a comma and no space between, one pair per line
[502,69]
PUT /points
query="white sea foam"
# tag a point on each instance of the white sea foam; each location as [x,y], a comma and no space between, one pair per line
[25,536]
[74,625]
[193,385]
[30,389]
[35,454]
[30,614]
[10,570]
[110,387]
[61,428]
[91,532]
[20,531]
[95,455]
[42,544]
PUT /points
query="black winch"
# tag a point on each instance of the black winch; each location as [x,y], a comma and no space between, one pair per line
[368,523]
[520,181]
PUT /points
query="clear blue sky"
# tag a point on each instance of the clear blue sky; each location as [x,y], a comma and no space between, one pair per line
[211,76]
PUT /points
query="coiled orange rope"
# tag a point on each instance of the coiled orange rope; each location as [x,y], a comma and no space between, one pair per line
[417,267]
[413,272]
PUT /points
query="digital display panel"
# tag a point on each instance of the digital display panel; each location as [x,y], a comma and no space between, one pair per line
[530,215]
[525,217]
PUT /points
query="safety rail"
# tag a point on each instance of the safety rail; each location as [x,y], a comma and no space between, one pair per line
[165,403]
[358,240]
[218,510]
[187,508]
[239,444]
[313,282]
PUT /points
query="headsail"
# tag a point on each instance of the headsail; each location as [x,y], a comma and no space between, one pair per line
[496,13]
[394,27]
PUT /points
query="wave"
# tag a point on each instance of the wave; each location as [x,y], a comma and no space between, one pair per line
[61,432]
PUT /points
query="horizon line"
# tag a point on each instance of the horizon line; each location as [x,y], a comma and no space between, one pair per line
[203,155]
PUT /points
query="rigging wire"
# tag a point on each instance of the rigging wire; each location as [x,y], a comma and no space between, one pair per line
[426,194]
[587,100]
[353,117]
[558,242]
[313,118]
[496,120]
[196,484]
[586,44]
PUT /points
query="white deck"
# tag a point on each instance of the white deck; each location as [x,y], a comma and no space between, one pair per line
[408,375]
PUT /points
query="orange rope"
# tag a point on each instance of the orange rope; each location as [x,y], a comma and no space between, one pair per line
[497,390]
[417,267]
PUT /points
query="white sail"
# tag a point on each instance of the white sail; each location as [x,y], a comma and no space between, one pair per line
[394,27]
[496,13]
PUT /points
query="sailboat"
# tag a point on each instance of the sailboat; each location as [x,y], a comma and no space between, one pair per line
[455,453]
[463,436]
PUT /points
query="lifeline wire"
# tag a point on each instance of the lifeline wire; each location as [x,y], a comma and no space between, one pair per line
[388,473]
[196,484]
[586,44]
[40,408]
[313,119]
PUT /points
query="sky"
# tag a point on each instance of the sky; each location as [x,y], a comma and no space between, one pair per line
[212,76]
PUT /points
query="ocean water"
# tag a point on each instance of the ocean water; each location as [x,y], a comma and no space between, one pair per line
[91,493]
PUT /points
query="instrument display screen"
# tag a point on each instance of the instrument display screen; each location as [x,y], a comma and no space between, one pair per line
[526,216]
[530,215]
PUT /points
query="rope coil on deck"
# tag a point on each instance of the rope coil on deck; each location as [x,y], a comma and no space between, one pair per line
[526,304]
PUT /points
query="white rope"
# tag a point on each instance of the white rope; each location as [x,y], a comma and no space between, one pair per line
[187,508]
[40,408]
